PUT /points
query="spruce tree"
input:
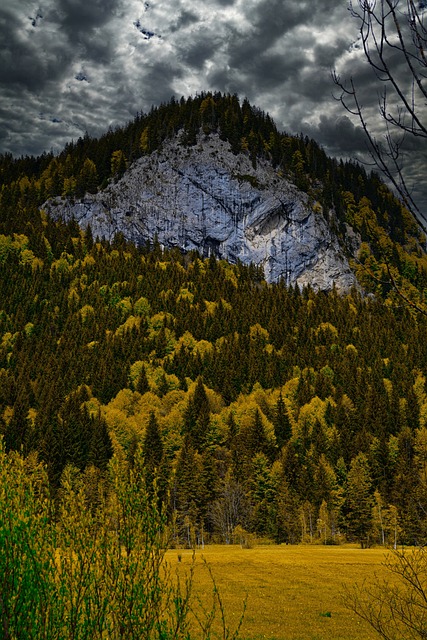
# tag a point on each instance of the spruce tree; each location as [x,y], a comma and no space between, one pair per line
[142,385]
[358,500]
[281,423]
[155,468]
[197,417]
[100,447]
[152,448]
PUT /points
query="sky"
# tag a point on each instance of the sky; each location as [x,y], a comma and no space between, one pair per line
[73,66]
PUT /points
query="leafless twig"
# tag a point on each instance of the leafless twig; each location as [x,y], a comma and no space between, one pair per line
[393,34]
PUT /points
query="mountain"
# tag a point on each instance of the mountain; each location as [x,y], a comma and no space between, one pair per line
[214,174]
[206,198]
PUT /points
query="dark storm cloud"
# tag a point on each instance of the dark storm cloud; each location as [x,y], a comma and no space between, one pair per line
[80,16]
[197,54]
[159,80]
[185,19]
[340,135]
[20,61]
[226,3]
[274,18]
[270,21]
[70,66]
[324,54]
[202,48]
[84,23]
[281,55]
[259,49]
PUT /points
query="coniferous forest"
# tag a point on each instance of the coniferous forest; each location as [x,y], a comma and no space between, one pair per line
[244,408]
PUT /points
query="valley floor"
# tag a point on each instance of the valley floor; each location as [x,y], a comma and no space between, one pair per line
[293,592]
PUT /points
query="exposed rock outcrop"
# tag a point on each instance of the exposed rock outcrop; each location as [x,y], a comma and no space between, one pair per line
[206,198]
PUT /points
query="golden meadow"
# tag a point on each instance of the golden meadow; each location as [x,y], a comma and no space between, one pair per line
[293,592]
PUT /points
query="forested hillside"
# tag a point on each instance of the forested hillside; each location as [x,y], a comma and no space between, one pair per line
[257,408]
[343,192]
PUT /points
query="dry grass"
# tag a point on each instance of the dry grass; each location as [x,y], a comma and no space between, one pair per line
[293,591]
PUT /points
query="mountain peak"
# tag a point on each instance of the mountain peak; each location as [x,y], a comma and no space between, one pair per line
[205,197]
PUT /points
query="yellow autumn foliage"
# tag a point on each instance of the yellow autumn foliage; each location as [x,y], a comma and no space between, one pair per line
[142,307]
[203,347]
[86,311]
[185,294]
[130,323]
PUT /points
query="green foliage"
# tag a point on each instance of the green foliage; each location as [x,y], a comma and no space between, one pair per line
[118,163]
[27,570]
[78,568]
[197,417]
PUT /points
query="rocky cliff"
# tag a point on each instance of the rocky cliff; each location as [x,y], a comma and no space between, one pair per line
[206,198]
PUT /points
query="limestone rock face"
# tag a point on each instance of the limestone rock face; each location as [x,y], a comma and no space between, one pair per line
[206,198]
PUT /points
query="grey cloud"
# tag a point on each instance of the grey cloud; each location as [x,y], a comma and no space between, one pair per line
[84,24]
[79,16]
[25,132]
[272,70]
[24,60]
[250,56]
[314,85]
[197,54]
[221,78]
[186,18]
[271,21]
[293,66]
[326,54]
[274,18]
[99,48]
[158,83]
[338,134]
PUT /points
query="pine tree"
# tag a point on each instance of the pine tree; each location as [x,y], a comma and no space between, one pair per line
[197,417]
[17,433]
[142,385]
[358,500]
[155,467]
[281,423]
[152,448]
[263,495]
[100,446]
[187,490]
[406,486]
[287,523]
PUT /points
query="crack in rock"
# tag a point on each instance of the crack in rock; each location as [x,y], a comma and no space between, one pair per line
[207,198]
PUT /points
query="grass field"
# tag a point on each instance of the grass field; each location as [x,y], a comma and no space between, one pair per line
[294,592]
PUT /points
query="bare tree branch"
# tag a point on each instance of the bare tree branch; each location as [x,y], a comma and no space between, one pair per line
[397,606]
[393,35]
